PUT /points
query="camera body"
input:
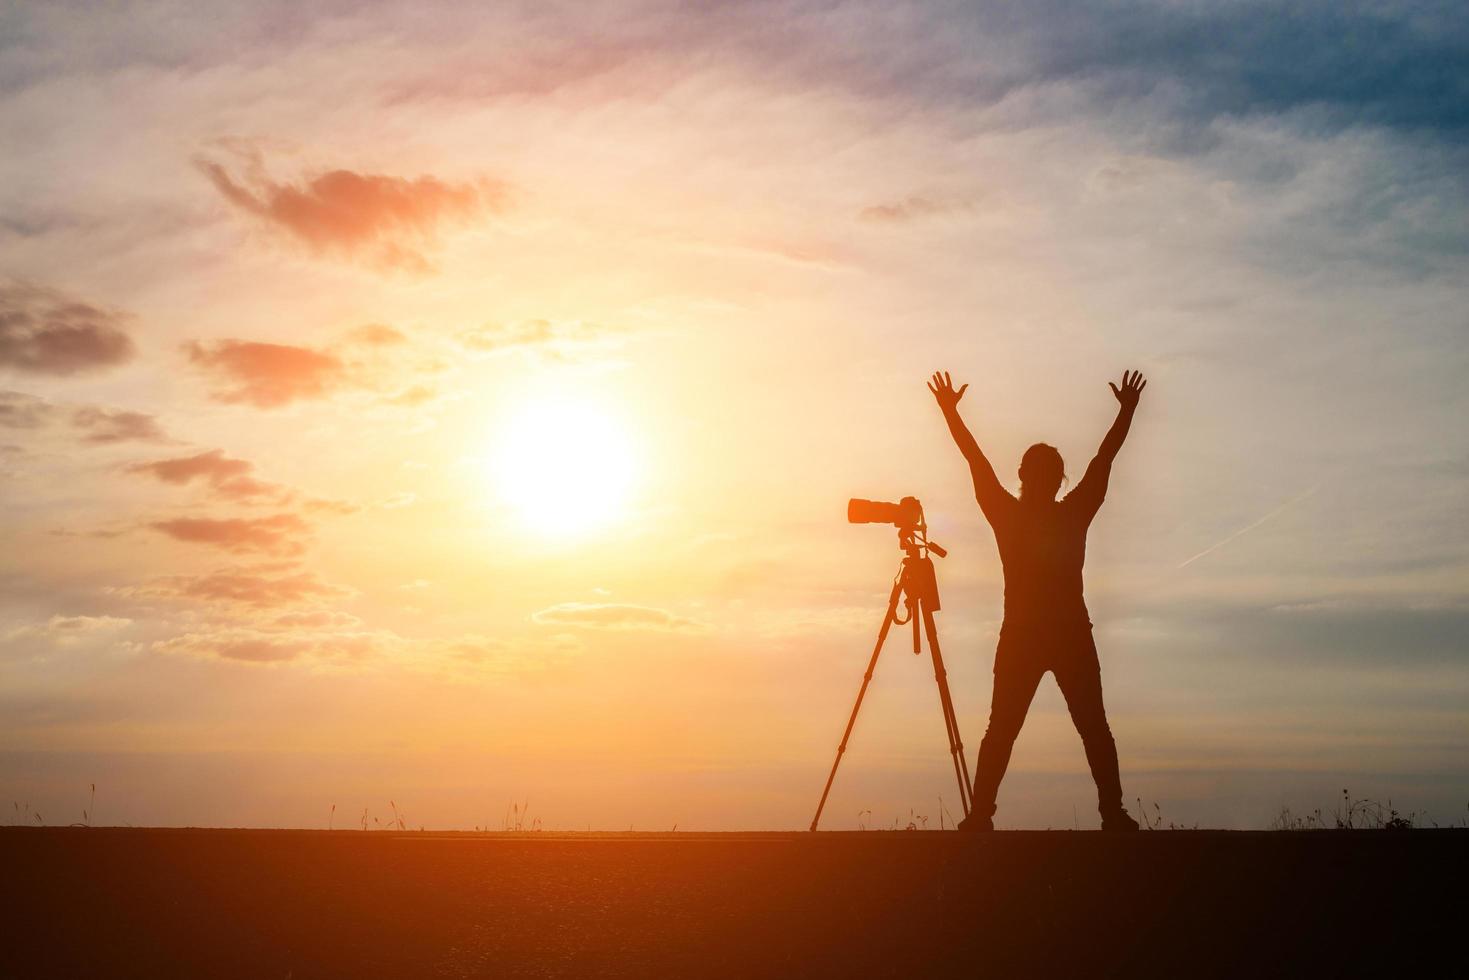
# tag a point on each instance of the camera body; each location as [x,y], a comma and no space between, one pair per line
[906,514]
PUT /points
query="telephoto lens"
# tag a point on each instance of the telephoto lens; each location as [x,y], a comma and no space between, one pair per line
[861,511]
[907,512]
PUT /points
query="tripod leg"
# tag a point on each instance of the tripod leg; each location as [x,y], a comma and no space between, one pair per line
[882,636]
[951,720]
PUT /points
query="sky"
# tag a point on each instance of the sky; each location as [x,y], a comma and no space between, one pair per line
[439,408]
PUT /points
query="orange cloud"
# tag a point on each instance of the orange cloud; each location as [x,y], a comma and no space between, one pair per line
[383,218]
[228,477]
[244,586]
[616,616]
[279,534]
[267,375]
[102,426]
[376,334]
[562,338]
[315,619]
[263,646]
[97,426]
[310,638]
[44,332]
[61,630]
[321,505]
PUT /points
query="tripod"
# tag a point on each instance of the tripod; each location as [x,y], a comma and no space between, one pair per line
[918,586]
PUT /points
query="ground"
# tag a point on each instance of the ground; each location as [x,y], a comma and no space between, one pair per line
[261,904]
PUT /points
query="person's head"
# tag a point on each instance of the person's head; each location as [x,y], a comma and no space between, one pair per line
[1041,472]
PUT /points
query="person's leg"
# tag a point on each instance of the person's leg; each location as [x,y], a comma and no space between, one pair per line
[1080,677]
[1016,678]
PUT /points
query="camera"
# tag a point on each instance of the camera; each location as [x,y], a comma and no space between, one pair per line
[906,513]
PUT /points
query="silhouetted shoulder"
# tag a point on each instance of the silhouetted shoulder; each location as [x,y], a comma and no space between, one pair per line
[995,502]
[1087,497]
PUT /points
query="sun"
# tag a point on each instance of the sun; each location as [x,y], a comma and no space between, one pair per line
[565,466]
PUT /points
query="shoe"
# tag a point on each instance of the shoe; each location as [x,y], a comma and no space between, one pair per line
[1118,821]
[976,822]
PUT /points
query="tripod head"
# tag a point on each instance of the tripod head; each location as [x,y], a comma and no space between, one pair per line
[916,576]
[906,515]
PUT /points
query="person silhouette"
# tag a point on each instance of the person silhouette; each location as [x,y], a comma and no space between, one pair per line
[1042,543]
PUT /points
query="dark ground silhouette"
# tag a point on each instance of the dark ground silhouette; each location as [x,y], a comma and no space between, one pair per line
[1042,543]
[275,904]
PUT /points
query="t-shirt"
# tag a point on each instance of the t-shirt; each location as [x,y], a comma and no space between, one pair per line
[1042,548]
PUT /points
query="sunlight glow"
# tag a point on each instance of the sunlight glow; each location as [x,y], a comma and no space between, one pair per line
[565,466]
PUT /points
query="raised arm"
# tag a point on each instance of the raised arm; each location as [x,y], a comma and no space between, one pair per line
[987,488]
[1093,485]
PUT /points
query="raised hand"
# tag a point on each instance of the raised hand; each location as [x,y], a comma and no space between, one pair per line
[1132,386]
[943,390]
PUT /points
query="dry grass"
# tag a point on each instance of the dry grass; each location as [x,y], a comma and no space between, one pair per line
[1350,814]
[517,820]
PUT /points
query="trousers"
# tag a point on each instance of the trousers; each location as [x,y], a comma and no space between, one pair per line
[1022,658]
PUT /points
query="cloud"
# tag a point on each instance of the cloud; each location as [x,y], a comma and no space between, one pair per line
[473,657]
[264,646]
[384,219]
[322,505]
[84,624]
[617,616]
[21,411]
[64,631]
[97,426]
[255,587]
[321,637]
[101,534]
[1403,632]
[326,638]
[909,209]
[1396,66]
[403,498]
[316,619]
[377,335]
[267,375]
[413,396]
[1352,63]
[229,478]
[559,338]
[279,534]
[101,426]
[252,647]
[498,337]
[44,332]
